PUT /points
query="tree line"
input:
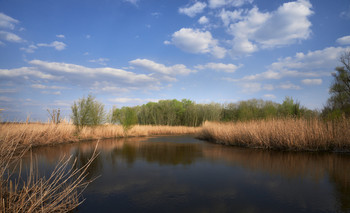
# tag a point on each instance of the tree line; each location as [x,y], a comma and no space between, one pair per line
[88,111]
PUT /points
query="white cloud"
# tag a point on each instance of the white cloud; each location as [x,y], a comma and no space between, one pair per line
[197,41]
[132,100]
[7,21]
[345,40]
[313,64]
[105,86]
[345,14]
[193,10]
[51,93]
[269,96]
[25,72]
[10,37]
[58,45]
[203,20]
[41,86]
[230,68]
[85,72]
[316,81]
[228,17]
[167,42]
[60,36]
[101,61]
[255,29]
[250,87]
[156,14]
[134,2]
[289,85]
[161,68]
[30,49]
[228,3]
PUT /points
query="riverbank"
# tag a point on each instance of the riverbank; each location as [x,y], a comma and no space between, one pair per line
[37,134]
[281,134]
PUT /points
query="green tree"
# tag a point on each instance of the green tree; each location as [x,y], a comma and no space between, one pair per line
[87,112]
[126,116]
[339,102]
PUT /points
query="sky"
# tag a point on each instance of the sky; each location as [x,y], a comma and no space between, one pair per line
[130,52]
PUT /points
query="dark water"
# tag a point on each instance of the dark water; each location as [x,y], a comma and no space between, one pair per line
[182,174]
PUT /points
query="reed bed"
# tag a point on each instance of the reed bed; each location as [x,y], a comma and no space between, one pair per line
[281,134]
[48,134]
[60,192]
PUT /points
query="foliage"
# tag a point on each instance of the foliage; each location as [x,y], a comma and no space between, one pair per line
[126,116]
[87,112]
[189,113]
[339,90]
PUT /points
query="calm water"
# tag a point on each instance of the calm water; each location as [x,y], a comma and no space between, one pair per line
[182,174]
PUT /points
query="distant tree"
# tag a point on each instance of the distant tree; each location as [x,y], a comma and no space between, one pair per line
[290,108]
[87,112]
[339,102]
[126,116]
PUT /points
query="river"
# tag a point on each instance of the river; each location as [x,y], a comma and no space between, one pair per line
[183,174]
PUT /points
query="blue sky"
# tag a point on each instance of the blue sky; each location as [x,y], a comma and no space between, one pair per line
[130,52]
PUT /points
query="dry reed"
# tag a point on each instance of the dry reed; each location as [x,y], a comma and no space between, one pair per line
[60,192]
[49,134]
[281,134]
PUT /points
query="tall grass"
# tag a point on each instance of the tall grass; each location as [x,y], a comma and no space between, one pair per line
[60,192]
[47,134]
[281,134]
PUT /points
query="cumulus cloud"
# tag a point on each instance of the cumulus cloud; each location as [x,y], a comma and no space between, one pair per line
[7,21]
[289,85]
[228,17]
[132,100]
[105,86]
[102,79]
[58,45]
[134,2]
[269,96]
[161,68]
[101,61]
[193,10]
[228,3]
[313,64]
[30,49]
[41,86]
[25,72]
[84,72]
[60,36]
[316,81]
[10,37]
[345,40]
[230,68]
[197,41]
[255,29]
[203,20]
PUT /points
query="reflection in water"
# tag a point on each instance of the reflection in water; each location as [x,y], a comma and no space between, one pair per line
[183,174]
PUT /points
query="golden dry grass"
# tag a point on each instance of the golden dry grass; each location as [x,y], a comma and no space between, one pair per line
[49,134]
[281,134]
[60,192]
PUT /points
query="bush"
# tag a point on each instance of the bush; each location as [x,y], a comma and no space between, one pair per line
[87,112]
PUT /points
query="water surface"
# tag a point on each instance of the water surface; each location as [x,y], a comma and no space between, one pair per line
[182,174]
